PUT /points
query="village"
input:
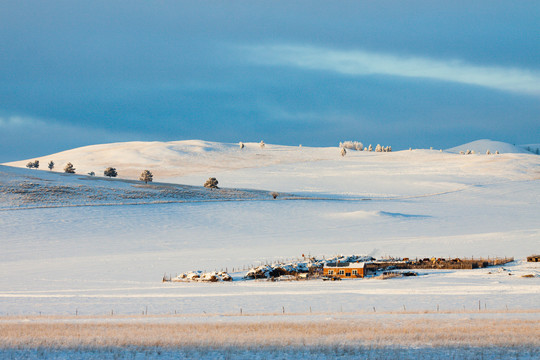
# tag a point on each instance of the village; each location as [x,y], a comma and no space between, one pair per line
[339,267]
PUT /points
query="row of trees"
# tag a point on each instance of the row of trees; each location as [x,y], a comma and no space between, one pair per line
[146,175]
[358,146]
[35,164]
[469,152]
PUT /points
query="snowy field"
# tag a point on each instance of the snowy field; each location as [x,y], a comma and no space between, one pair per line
[91,246]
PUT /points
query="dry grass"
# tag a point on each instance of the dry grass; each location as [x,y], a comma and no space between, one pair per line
[371,333]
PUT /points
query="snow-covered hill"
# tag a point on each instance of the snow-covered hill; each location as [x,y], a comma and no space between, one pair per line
[24,189]
[298,169]
[176,158]
[57,257]
[534,148]
[483,146]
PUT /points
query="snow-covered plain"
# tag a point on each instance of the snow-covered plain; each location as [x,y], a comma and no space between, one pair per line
[92,244]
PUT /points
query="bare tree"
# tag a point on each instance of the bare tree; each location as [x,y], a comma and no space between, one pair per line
[146,176]
[69,168]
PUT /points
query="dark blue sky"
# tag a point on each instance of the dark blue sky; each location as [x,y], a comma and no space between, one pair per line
[416,73]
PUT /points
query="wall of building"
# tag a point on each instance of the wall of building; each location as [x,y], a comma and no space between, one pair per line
[346,270]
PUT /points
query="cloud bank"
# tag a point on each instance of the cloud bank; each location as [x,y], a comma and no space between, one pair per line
[22,135]
[360,63]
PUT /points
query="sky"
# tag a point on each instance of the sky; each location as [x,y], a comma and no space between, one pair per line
[406,74]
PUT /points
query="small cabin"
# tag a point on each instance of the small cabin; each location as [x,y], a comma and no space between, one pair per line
[344,270]
[533,258]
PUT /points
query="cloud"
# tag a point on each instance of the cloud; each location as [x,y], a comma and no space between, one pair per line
[14,122]
[23,137]
[358,63]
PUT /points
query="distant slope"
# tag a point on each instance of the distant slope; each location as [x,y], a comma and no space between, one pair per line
[24,188]
[482,146]
[300,170]
[177,158]
[534,148]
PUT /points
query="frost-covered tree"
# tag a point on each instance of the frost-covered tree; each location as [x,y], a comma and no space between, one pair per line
[211,183]
[370,148]
[488,152]
[36,164]
[241,144]
[343,152]
[378,148]
[51,165]
[110,172]
[69,168]
[146,176]
[262,144]
[352,145]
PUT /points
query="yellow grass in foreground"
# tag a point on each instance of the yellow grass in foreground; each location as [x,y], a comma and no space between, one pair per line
[374,333]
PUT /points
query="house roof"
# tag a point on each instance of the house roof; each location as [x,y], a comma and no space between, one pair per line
[349,265]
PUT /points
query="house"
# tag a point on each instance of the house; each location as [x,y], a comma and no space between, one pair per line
[533,258]
[345,270]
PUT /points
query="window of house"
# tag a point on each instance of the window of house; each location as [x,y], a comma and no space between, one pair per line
[341,272]
[330,272]
[355,272]
[347,274]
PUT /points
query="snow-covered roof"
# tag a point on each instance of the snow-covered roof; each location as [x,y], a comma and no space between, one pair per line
[355,265]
